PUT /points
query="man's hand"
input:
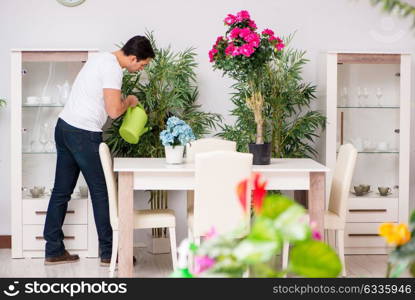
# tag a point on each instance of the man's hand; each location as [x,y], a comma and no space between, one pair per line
[132,100]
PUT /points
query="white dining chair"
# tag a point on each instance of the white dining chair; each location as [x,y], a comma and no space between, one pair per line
[202,146]
[216,203]
[207,145]
[335,216]
[143,219]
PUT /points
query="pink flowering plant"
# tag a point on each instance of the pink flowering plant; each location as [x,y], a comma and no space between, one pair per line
[243,54]
[276,219]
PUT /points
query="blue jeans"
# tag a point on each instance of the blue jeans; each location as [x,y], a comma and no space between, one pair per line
[77,151]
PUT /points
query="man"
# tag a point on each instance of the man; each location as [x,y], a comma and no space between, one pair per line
[95,95]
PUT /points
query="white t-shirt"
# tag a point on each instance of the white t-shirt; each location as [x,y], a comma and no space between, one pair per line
[85,108]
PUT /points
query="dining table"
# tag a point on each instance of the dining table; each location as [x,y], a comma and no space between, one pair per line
[290,174]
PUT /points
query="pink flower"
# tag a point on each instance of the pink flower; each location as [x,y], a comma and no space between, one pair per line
[279,46]
[314,233]
[242,15]
[272,38]
[268,32]
[236,51]
[212,54]
[211,234]
[279,40]
[218,40]
[203,263]
[252,24]
[247,50]
[253,39]
[230,49]
[230,19]
[243,33]
[235,32]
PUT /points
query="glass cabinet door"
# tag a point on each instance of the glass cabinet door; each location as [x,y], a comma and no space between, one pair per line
[46,85]
[368,114]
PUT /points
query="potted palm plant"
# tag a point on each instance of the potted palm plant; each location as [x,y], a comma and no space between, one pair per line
[243,55]
[291,126]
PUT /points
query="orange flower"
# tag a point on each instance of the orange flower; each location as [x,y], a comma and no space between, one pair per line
[259,192]
[395,234]
[241,192]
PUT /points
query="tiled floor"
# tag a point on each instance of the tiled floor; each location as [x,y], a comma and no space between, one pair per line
[150,265]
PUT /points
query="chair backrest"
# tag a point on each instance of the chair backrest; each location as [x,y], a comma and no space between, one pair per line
[216,203]
[207,145]
[106,162]
[342,179]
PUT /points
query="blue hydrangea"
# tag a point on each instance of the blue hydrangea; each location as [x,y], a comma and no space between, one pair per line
[174,121]
[166,138]
[176,133]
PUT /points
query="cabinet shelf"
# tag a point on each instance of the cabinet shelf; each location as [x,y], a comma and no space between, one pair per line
[375,195]
[42,105]
[376,152]
[28,153]
[369,107]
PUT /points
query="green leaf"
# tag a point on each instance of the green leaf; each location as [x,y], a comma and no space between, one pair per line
[263,230]
[253,251]
[274,205]
[292,224]
[412,269]
[398,269]
[412,223]
[314,259]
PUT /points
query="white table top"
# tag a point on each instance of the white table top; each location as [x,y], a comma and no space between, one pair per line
[128,164]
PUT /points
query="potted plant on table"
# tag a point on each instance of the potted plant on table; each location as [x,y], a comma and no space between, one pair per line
[292,125]
[243,55]
[174,138]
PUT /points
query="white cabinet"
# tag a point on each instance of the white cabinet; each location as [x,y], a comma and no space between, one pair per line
[368,105]
[40,85]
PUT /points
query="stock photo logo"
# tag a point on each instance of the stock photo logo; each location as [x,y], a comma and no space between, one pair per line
[388,31]
[11,290]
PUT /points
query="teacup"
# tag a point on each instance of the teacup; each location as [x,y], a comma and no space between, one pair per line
[384,191]
[37,192]
[83,191]
[366,188]
[359,190]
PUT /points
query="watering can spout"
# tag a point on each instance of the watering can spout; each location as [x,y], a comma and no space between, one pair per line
[133,125]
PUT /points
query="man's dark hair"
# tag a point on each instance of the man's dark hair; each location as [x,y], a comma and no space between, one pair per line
[140,47]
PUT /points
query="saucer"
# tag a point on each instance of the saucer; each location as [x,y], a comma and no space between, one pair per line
[388,194]
[363,194]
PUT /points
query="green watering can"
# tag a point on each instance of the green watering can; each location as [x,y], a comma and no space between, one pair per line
[133,125]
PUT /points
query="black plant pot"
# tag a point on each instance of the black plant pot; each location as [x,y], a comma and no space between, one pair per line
[261,152]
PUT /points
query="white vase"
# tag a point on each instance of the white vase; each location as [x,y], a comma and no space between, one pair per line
[174,155]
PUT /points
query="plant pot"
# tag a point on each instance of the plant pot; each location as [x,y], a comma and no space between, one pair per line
[174,155]
[261,152]
[158,245]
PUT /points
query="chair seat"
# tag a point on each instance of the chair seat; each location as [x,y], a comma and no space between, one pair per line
[152,218]
[333,221]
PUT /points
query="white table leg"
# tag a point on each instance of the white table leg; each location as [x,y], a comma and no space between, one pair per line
[126,228]
[316,200]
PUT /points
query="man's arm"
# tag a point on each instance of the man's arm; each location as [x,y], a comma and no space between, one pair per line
[114,106]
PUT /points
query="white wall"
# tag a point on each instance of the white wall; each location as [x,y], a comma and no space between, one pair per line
[321,25]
